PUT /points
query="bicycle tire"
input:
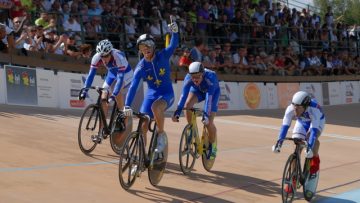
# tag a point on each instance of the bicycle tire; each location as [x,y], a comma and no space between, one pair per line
[206,161]
[187,148]
[157,161]
[91,116]
[118,147]
[287,179]
[131,156]
[309,188]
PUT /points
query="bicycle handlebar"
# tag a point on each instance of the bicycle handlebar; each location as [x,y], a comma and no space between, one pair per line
[297,141]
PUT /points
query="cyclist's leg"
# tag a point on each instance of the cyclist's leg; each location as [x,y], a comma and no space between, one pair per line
[191,100]
[109,80]
[315,161]
[146,109]
[214,108]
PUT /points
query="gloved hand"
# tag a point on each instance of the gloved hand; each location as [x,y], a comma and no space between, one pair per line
[176,115]
[277,147]
[173,27]
[83,94]
[309,153]
[127,111]
[111,99]
[205,119]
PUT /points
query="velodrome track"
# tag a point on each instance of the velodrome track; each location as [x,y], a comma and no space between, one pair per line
[40,161]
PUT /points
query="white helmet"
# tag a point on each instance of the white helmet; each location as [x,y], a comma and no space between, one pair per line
[196,67]
[147,40]
[301,98]
[104,47]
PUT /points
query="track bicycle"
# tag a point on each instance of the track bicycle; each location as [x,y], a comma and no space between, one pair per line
[93,126]
[294,176]
[192,147]
[134,160]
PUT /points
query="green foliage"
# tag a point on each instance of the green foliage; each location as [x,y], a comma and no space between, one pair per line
[346,11]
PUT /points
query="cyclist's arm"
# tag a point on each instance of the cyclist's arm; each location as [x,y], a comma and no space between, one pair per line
[90,77]
[122,64]
[315,117]
[185,92]
[133,87]
[213,84]
[289,114]
[174,42]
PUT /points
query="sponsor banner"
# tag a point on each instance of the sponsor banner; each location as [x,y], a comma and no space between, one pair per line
[2,86]
[314,89]
[271,96]
[349,91]
[46,88]
[325,93]
[229,99]
[70,85]
[252,96]
[285,93]
[21,85]
[335,96]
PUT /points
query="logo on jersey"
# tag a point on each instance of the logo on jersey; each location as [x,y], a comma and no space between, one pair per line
[149,77]
[162,71]
[157,82]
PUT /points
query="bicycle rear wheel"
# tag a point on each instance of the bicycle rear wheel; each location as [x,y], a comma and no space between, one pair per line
[118,135]
[157,161]
[206,161]
[89,126]
[130,164]
[310,183]
[290,175]
[187,150]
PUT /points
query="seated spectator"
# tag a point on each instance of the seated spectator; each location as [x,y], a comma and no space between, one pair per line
[6,39]
[337,64]
[71,24]
[291,62]
[240,60]
[30,43]
[45,21]
[197,50]
[185,59]
[329,68]
[261,67]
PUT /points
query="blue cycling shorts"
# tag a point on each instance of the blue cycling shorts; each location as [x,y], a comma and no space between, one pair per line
[201,97]
[150,99]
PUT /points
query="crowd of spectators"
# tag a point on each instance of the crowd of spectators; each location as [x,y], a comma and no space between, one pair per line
[245,37]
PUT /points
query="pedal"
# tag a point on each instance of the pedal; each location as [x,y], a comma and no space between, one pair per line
[96,138]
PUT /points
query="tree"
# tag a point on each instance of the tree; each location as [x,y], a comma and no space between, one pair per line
[346,11]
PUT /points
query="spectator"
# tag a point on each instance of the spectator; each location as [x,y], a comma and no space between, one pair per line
[197,50]
[7,42]
[71,25]
[203,19]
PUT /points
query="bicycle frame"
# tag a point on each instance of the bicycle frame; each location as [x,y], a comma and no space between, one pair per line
[196,130]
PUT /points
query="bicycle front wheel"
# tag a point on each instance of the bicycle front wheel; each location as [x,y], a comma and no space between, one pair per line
[289,180]
[130,164]
[310,181]
[187,150]
[89,127]
[207,161]
[118,136]
[157,162]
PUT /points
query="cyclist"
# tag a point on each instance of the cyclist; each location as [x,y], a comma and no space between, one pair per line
[201,84]
[118,69]
[310,122]
[154,68]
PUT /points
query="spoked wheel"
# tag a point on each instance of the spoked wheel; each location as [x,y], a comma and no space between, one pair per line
[118,134]
[158,161]
[89,127]
[310,182]
[207,160]
[289,180]
[187,150]
[130,160]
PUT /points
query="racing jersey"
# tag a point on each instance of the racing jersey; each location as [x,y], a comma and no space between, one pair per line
[208,86]
[156,73]
[311,120]
[116,67]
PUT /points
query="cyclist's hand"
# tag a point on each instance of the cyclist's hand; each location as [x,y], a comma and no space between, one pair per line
[173,25]
[309,153]
[277,147]
[111,99]
[176,115]
[127,111]
[83,94]
[205,119]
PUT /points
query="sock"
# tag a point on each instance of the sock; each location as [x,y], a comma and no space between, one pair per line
[314,164]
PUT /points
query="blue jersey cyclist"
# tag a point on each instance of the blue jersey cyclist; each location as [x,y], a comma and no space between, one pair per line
[201,84]
[154,68]
[118,78]
[310,122]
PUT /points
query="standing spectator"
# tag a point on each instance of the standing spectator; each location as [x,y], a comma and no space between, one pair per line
[203,19]
[94,9]
[197,50]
